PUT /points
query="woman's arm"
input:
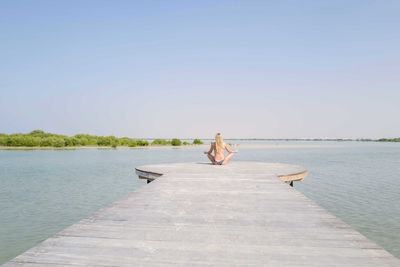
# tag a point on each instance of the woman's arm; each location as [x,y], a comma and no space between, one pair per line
[211,149]
[229,149]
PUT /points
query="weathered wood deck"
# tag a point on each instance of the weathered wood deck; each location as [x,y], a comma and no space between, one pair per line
[241,214]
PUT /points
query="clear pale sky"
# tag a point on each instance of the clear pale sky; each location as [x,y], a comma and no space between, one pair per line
[263,69]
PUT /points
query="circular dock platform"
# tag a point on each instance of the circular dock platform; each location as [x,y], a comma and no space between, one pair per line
[286,172]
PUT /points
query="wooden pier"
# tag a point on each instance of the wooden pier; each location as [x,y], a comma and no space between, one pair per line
[194,214]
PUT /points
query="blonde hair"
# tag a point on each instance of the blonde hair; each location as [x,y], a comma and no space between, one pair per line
[219,143]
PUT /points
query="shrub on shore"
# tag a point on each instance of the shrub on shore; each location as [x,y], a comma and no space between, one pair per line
[132,143]
[197,142]
[389,139]
[141,142]
[160,142]
[52,141]
[176,142]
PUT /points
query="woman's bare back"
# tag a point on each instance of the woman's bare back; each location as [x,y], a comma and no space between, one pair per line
[219,155]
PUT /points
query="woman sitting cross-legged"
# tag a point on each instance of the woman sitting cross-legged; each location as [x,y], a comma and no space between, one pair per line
[218,147]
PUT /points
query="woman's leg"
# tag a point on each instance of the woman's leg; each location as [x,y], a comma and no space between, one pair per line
[228,158]
[211,158]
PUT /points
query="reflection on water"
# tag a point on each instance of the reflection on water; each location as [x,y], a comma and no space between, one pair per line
[42,192]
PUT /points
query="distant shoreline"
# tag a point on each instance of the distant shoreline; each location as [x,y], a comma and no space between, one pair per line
[97,147]
[313,139]
[250,145]
[40,140]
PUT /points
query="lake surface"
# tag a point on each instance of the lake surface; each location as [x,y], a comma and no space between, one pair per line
[44,191]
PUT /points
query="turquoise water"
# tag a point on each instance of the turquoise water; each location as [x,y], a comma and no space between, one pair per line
[42,192]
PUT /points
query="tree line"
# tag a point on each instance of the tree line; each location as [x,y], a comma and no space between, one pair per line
[389,139]
[39,138]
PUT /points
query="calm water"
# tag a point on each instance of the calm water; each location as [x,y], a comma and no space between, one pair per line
[42,192]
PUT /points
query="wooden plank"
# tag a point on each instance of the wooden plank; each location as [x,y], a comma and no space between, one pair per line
[193,214]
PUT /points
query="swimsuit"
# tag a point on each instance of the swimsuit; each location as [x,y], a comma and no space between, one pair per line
[219,162]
